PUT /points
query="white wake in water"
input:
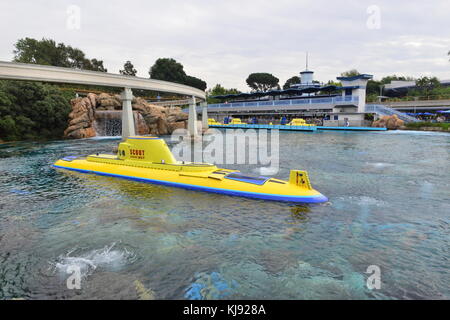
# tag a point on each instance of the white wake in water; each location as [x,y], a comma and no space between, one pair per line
[106,257]
[362,201]
[106,137]
[412,132]
[379,165]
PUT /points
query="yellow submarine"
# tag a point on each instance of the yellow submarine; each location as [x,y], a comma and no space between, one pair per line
[149,159]
[237,121]
[212,121]
[300,122]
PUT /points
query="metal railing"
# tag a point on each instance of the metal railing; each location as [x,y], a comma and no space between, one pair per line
[173,102]
[289,102]
[412,98]
[386,111]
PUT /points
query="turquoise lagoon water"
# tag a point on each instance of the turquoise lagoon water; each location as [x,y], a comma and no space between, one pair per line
[389,206]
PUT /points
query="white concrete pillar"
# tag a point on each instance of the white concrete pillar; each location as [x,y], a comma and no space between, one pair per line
[127,114]
[192,121]
[361,94]
[205,125]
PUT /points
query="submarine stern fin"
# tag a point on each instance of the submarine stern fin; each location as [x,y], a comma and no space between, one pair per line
[300,178]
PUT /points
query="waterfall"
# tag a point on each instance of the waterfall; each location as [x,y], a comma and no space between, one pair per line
[109,123]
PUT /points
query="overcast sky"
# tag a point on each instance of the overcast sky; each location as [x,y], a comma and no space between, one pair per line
[224,41]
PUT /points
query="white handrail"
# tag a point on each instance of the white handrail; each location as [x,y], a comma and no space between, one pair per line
[331,100]
[386,111]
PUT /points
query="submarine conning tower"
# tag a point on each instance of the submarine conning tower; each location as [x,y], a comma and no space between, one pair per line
[147,149]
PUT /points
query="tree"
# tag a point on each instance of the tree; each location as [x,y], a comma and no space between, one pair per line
[218,90]
[262,82]
[169,69]
[44,52]
[47,52]
[427,84]
[96,65]
[290,81]
[350,73]
[195,82]
[389,79]
[128,69]
[373,87]
[331,83]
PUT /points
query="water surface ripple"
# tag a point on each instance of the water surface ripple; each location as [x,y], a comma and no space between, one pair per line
[389,206]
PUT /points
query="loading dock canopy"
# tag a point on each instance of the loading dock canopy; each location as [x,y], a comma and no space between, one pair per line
[290,91]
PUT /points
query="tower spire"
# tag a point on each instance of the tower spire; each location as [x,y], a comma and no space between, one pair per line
[306,60]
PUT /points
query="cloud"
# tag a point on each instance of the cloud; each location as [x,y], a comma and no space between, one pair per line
[224,41]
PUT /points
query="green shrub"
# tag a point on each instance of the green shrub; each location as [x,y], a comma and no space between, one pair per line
[33,110]
[418,125]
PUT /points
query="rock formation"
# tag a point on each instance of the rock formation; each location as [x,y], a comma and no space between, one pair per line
[108,102]
[82,117]
[390,122]
[149,118]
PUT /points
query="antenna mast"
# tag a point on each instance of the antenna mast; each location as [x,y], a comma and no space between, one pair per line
[306,60]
